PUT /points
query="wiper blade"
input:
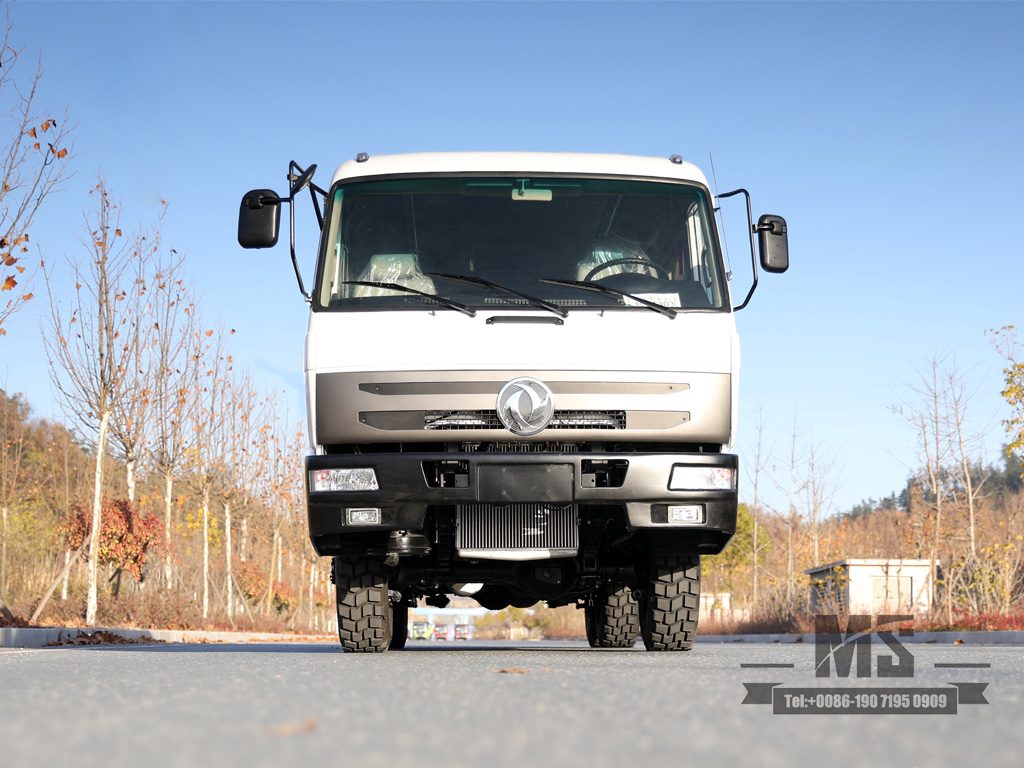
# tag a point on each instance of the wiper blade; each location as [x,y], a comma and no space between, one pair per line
[406,289]
[596,288]
[495,287]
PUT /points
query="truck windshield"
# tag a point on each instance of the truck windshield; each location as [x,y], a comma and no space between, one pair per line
[651,240]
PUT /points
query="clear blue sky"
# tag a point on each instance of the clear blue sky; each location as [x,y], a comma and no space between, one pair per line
[888,134]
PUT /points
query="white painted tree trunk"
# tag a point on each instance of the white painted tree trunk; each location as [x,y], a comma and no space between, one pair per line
[129,468]
[227,557]
[312,607]
[97,521]
[64,586]
[168,487]
[206,553]
[245,538]
[3,556]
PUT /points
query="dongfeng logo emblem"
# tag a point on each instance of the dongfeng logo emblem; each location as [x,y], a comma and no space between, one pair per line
[525,406]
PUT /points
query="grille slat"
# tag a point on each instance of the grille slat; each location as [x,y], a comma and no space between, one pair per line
[447,420]
[517,526]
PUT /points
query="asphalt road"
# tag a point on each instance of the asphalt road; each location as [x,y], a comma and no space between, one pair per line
[450,704]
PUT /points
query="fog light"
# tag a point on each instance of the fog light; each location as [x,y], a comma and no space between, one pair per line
[701,479]
[691,513]
[343,480]
[363,516]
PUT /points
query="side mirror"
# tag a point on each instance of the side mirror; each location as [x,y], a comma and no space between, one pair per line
[773,243]
[259,219]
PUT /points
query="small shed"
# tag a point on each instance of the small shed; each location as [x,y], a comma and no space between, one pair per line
[872,586]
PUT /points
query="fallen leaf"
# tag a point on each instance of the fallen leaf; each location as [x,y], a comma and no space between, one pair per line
[294,729]
[958,641]
[512,671]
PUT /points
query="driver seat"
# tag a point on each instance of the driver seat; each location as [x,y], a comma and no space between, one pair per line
[399,268]
[608,248]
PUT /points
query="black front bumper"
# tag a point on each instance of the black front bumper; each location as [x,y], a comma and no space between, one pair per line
[409,483]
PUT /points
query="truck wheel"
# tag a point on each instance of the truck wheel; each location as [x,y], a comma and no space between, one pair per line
[670,602]
[399,626]
[364,611]
[612,618]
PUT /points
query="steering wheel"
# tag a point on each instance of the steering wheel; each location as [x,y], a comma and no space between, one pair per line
[629,260]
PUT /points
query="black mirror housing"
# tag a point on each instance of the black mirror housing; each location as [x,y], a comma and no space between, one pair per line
[773,243]
[259,219]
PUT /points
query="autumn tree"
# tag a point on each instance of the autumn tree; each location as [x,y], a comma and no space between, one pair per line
[33,164]
[176,352]
[239,433]
[14,425]
[91,342]
[209,393]
[1009,348]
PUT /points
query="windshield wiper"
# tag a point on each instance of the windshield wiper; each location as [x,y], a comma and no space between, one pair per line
[597,288]
[501,288]
[406,289]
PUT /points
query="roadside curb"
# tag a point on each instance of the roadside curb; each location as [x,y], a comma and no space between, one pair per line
[992,637]
[39,637]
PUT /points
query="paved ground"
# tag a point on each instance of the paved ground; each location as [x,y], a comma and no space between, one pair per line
[448,704]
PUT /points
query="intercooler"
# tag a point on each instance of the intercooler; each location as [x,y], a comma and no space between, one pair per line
[517,531]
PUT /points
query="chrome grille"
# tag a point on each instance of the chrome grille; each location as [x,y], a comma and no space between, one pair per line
[517,526]
[489,420]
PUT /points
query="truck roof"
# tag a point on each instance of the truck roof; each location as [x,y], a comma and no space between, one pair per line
[526,163]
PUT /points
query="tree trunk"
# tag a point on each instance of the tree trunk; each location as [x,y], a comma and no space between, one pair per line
[168,487]
[63,575]
[270,580]
[129,469]
[245,538]
[206,552]
[312,606]
[227,557]
[97,522]
[67,569]
[3,556]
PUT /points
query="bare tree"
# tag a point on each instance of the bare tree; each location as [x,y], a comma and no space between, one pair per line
[239,430]
[90,345]
[33,164]
[937,410]
[176,351]
[130,417]
[762,458]
[209,394]
[818,491]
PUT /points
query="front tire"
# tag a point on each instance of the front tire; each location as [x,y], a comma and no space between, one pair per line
[399,626]
[612,618]
[670,603]
[364,610]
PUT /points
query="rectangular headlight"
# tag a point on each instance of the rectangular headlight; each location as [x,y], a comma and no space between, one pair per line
[702,479]
[343,480]
[369,516]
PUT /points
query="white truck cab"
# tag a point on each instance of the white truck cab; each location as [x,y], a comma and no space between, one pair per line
[521,376]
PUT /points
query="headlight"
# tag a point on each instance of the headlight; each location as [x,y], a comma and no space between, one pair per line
[343,480]
[702,479]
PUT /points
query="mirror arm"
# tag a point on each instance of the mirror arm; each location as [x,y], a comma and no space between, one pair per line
[753,250]
[295,261]
[313,189]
